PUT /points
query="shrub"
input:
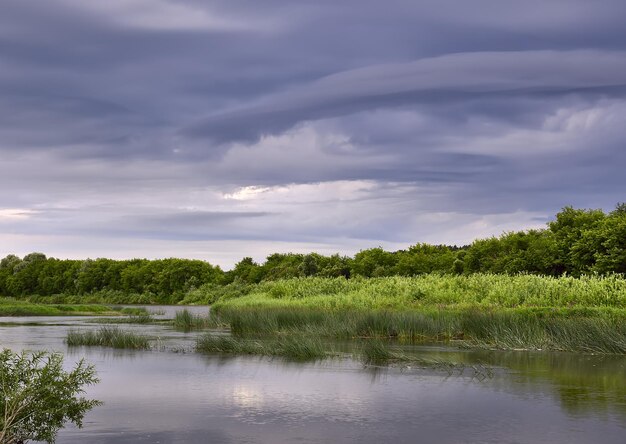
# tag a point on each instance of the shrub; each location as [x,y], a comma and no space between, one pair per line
[38,397]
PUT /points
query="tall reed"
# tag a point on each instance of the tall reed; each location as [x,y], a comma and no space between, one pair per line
[600,332]
[107,337]
[292,348]
[186,321]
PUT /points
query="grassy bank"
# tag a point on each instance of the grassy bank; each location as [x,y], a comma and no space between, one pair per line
[507,312]
[107,337]
[111,297]
[11,307]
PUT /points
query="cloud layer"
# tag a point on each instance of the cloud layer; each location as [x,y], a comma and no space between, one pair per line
[222,129]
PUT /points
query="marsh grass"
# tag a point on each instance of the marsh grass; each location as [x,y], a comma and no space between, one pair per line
[595,331]
[372,353]
[107,337]
[291,348]
[375,352]
[586,314]
[586,335]
[186,321]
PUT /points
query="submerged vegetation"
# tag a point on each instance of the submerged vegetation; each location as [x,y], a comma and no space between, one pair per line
[306,348]
[107,337]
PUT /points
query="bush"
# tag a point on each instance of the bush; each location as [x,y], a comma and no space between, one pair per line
[37,397]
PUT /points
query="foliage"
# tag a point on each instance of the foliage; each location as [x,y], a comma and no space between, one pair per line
[153,281]
[210,293]
[38,397]
[577,242]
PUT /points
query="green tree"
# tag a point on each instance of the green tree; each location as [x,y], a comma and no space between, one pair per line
[425,258]
[374,262]
[247,271]
[308,266]
[607,243]
[334,266]
[570,228]
[37,397]
[281,266]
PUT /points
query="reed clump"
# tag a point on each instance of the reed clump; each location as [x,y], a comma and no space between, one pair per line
[291,348]
[301,348]
[107,337]
[186,321]
[588,331]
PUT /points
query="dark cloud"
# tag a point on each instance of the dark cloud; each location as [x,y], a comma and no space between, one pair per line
[453,78]
[320,122]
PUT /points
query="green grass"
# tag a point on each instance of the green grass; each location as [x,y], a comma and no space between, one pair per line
[107,337]
[12,307]
[484,290]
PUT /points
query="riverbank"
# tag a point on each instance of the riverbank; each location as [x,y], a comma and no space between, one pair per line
[13,307]
[528,312]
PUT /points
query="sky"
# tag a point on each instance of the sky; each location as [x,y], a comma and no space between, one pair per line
[229,128]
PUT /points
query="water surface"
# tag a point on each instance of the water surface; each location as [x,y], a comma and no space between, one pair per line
[163,396]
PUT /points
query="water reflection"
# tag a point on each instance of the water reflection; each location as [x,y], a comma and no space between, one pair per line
[583,384]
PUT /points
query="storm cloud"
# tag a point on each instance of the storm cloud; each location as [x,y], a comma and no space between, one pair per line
[221,129]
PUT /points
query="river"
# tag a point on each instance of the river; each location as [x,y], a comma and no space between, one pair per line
[172,395]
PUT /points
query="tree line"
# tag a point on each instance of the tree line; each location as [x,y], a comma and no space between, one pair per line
[576,242]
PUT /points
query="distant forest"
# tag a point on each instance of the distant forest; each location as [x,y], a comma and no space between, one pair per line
[576,242]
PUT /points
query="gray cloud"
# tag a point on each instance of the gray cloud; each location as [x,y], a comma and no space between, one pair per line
[302,125]
[458,77]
